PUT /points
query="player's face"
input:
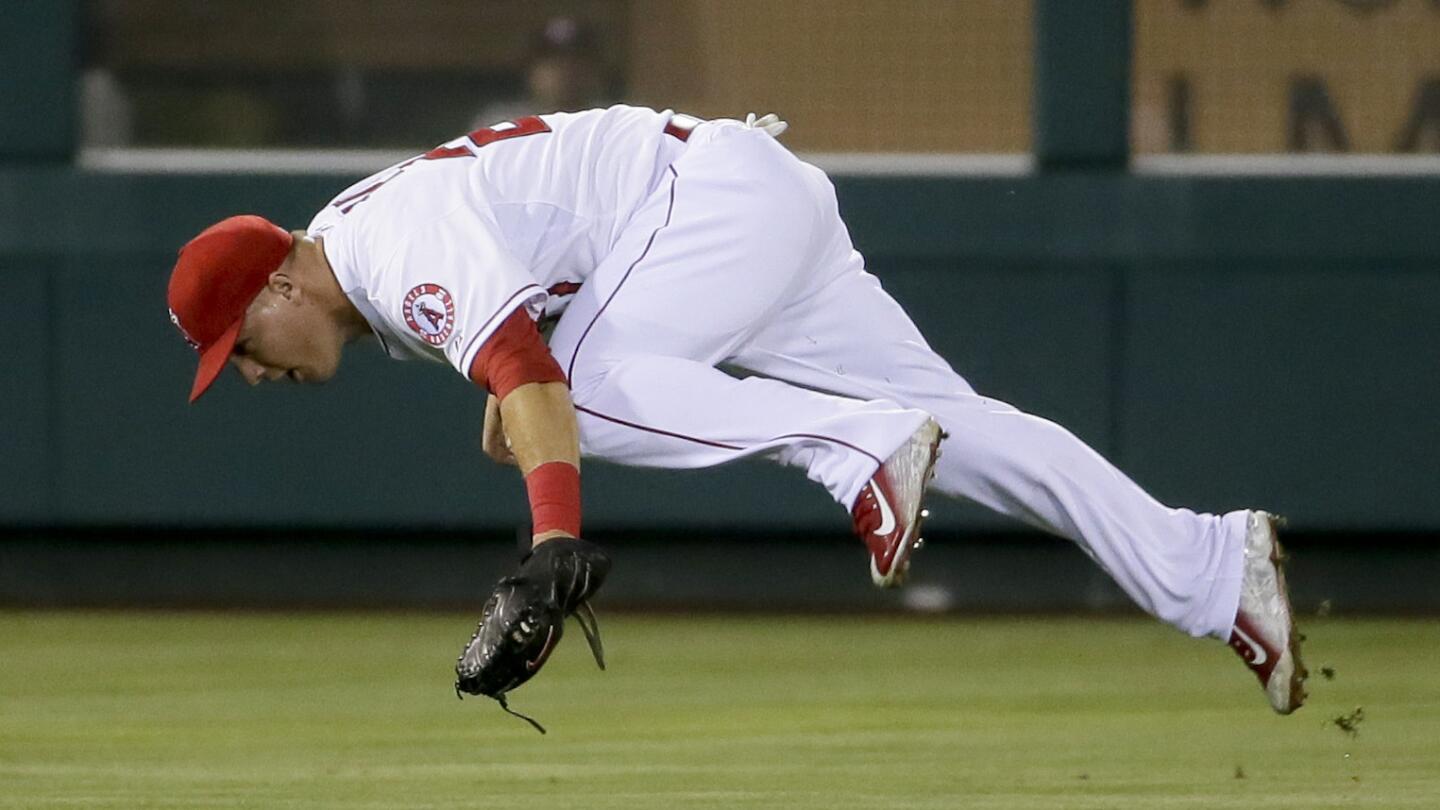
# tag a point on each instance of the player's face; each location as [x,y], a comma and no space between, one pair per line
[287,337]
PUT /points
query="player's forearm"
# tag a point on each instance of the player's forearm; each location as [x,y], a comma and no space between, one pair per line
[539,421]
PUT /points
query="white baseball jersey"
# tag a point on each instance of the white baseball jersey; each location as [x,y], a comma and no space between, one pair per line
[436,251]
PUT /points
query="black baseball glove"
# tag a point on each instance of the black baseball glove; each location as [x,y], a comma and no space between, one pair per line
[525,617]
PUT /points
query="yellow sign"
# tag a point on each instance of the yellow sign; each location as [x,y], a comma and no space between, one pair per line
[1248,76]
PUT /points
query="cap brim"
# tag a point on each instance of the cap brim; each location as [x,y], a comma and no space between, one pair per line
[213,360]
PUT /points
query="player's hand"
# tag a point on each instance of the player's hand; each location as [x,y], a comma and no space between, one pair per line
[525,617]
[770,122]
[493,439]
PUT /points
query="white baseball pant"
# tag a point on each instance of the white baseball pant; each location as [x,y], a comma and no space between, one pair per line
[740,258]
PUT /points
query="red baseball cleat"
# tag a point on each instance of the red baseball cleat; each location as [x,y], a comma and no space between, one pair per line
[888,512]
[1264,632]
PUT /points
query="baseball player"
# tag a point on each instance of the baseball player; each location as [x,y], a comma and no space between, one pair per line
[659,247]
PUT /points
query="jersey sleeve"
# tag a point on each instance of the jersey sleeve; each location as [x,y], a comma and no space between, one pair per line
[513,356]
[454,283]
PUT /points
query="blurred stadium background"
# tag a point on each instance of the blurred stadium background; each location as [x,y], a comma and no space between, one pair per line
[1200,233]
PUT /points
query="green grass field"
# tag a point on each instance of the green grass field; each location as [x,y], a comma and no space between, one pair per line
[213,710]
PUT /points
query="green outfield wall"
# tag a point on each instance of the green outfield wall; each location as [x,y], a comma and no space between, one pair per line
[1228,341]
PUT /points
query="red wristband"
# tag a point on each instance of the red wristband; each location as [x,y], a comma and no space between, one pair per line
[554,489]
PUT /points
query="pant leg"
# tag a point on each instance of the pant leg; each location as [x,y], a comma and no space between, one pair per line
[716,252]
[851,338]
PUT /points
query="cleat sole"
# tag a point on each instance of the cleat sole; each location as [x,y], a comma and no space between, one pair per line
[1295,688]
[900,568]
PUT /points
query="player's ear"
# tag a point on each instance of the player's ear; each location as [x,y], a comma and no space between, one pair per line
[280,283]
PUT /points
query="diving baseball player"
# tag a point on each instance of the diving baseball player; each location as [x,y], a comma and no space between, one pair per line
[660,247]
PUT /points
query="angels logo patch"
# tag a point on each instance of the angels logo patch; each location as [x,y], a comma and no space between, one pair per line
[430,311]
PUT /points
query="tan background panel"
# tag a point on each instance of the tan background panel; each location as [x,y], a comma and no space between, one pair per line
[861,75]
[1241,55]
[850,75]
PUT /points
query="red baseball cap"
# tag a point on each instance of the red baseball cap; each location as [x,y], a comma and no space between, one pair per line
[216,277]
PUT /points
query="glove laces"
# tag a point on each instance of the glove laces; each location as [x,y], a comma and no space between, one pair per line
[500,698]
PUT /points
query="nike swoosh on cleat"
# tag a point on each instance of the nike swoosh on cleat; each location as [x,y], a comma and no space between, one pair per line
[887,517]
[1260,656]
